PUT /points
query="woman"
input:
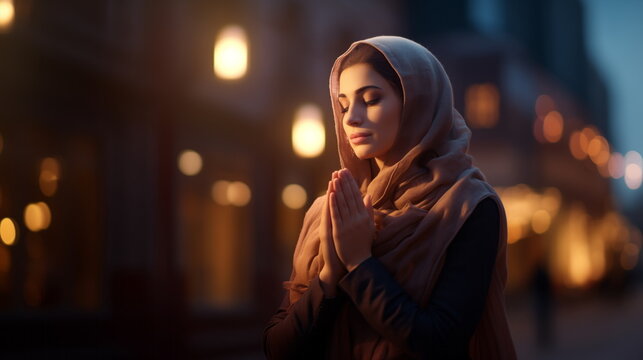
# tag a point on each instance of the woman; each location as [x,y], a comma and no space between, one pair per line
[416,267]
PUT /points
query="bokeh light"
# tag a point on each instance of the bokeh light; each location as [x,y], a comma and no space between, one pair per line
[482,104]
[37,216]
[586,135]
[540,221]
[553,126]
[235,193]
[190,162]
[219,192]
[231,53]
[49,176]
[633,170]
[7,13]
[574,146]
[294,196]
[528,210]
[8,231]
[308,134]
[598,150]
[238,193]
[616,165]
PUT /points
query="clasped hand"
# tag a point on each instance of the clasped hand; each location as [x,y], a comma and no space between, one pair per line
[346,229]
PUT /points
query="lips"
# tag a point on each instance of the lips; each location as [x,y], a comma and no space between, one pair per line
[359,137]
[359,134]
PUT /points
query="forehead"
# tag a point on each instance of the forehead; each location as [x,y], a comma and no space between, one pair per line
[357,76]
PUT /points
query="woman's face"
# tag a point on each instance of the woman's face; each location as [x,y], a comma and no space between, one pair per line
[371,111]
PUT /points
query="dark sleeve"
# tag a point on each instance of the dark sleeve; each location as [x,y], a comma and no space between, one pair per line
[300,331]
[441,330]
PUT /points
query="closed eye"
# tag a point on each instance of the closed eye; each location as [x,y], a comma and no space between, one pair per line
[372,102]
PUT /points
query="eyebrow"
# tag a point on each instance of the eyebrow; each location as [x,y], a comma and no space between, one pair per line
[362,89]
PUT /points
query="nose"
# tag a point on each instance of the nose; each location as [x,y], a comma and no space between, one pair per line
[353,117]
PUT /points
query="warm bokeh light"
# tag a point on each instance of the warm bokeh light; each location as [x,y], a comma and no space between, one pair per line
[573,253]
[37,216]
[46,214]
[482,104]
[294,196]
[633,170]
[515,232]
[540,221]
[598,150]
[33,217]
[553,126]
[586,135]
[308,134]
[7,12]
[544,105]
[551,200]
[528,210]
[49,176]
[8,231]
[574,146]
[220,192]
[231,53]
[616,165]
[238,193]
[235,193]
[190,162]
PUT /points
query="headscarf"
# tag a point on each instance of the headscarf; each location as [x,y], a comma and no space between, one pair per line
[420,203]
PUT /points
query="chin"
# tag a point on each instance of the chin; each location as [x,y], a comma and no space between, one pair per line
[363,154]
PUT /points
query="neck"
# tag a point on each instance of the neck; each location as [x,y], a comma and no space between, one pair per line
[380,163]
[385,161]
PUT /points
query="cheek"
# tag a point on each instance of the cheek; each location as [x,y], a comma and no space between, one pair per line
[389,125]
[346,129]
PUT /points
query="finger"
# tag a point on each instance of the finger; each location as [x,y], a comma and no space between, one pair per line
[334,211]
[353,199]
[326,217]
[333,177]
[353,182]
[340,198]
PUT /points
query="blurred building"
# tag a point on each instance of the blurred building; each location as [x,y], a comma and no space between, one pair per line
[145,196]
[151,193]
[538,110]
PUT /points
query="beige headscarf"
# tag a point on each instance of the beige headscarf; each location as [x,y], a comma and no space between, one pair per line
[420,203]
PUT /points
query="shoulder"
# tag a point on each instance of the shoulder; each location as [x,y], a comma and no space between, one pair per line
[486,209]
[482,227]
